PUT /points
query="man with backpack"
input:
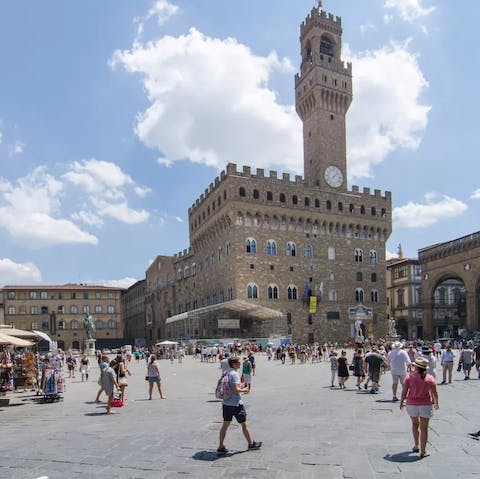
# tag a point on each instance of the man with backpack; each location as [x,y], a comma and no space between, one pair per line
[228,389]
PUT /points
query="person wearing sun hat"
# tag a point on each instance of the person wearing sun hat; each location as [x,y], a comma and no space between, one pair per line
[420,393]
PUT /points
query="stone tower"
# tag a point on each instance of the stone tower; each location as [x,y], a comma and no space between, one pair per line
[323,92]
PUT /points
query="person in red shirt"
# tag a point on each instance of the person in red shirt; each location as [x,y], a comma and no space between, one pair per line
[420,393]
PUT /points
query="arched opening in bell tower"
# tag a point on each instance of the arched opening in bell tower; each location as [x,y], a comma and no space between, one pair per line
[327,46]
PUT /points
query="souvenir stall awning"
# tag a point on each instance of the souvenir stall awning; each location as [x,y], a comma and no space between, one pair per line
[12,340]
[42,335]
[18,333]
[166,343]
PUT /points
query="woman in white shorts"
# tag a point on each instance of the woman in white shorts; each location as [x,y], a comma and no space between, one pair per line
[420,392]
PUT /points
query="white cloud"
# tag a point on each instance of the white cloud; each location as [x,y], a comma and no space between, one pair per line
[106,184]
[421,215]
[17,148]
[386,113]
[99,177]
[367,27]
[30,212]
[390,255]
[12,273]
[475,195]
[142,191]
[88,218]
[179,219]
[120,211]
[233,117]
[113,283]
[408,10]
[163,11]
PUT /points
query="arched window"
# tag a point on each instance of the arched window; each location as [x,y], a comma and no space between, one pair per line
[112,324]
[317,203]
[73,324]
[359,276]
[362,210]
[374,277]
[98,324]
[292,292]
[44,310]
[374,211]
[282,198]
[241,192]
[272,292]
[359,295]
[358,255]
[179,274]
[326,46]
[252,291]
[98,310]
[251,246]
[291,249]
[86,309]
[256,194]
[194,269]
[374,296]
[384,213]
[331,253]
[271,248]
[329,205]
[332,295]
[351,208]
[186,272]
[294,199]
[340,206]
[269,196]
[307,202]
[308,251]
[373,257]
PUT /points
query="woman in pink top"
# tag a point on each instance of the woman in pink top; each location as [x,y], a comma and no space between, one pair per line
[420,391]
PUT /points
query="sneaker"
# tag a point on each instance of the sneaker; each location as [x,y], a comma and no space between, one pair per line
[395,399]
[443,382]
[222,451]
[254,445]
[474,434]
[373,391]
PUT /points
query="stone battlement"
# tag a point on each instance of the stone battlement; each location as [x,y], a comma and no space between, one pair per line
[318,17]
[182,254]
[275,178]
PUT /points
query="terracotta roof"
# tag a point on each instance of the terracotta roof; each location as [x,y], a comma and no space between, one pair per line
[65,287]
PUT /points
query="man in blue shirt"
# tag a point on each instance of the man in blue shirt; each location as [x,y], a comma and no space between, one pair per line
[233,407]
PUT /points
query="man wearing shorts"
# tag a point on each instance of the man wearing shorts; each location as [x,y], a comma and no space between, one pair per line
[476,352]
[233,408]
[399,362]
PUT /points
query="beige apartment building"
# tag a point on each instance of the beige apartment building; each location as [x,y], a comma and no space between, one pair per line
[59,311]
[272,254]
[404,296]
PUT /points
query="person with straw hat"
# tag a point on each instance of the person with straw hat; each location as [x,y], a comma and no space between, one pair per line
[420,393]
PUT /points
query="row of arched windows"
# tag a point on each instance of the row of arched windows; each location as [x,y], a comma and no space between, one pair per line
[295,200]
[291,250]
[360,295]
[292,293]
[99,324]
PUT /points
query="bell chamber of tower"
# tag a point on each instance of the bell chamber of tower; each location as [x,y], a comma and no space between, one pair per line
[323,93]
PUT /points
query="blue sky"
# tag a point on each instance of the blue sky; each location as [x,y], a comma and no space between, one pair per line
[116,115]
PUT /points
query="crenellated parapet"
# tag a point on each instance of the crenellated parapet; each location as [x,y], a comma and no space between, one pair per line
[320,18]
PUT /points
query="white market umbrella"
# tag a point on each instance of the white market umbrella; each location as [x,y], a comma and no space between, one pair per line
[166,343]
[42,335]
[18,333]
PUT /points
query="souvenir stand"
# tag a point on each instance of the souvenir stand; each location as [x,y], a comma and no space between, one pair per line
[52,383]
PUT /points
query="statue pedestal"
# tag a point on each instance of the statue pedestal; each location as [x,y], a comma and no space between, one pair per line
[89,348]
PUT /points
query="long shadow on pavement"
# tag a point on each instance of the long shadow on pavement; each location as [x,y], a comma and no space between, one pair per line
[406,456]
[213,456]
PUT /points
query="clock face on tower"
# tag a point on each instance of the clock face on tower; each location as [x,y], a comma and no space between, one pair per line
[333,176]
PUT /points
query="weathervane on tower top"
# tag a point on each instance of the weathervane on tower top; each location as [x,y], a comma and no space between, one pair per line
[320,4]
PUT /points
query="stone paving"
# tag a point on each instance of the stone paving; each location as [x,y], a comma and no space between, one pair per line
[308,430]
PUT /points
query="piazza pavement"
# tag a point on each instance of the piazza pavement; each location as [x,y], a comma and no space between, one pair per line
[308,430]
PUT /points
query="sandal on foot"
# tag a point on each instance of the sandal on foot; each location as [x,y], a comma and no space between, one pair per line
[424,454]
[415,449]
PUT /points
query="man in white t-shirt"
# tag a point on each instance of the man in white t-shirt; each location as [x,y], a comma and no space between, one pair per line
[438,349]
[399,363]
